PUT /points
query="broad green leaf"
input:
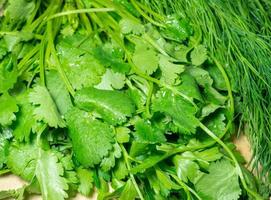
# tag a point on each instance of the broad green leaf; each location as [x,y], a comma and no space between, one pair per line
[8,106]
[145,58]
[88,135]
[146,133]
[22,160]
[217,124]
[81,67]
[199,55]
[49,172]
[201,76]
[213,96]
[189,87]
[45,108]
[113,106]
[177,29]
[19,10]
[186,169]
[112,57]
[221,183]
[58,92]
[181,111]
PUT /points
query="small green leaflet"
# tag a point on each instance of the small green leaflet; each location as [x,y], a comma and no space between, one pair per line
[8,74]
[113,106]
[145,58]
[88,136]
[170,71]
[45,109]
[146,133]
[111,80]
[85,181]
[109,161]
[199,55]
[221,183]
[129,26]
[111,57]
[25,120]
[8,106]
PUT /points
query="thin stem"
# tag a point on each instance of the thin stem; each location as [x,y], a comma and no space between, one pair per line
[61,72]
[181,183]
[145,15]
[126,158]
[79,11]
[148,102]
[41,62]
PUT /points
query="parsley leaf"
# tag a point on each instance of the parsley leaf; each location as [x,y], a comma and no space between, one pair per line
[221,182]
[111,81]
[181,111]
[45,109]
[198,55]
[8,106]
[113,106]
[145,58]
[88,136]
[86,181]
[47,167]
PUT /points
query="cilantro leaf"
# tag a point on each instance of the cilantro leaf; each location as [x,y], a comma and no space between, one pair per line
[181,111]
[8,74]
[186,169]
[129,192]
[49,172]
[19,10]
[8,106]
[88,136]
[113,106]
[145,58]
[22,160]
[189,87]
[221,182]
[177,29]
[45,109]
[170,71]
[199,55]
[122,134]
[111,81]
[58,92]
[217,123]
[146,133]
[111,57]
[5,135]
[129,26]
[25,120]
[85,181]
[201,76]
[82,69]
[109,161]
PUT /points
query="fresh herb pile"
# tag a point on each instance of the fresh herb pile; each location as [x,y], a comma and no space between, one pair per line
[98,94]
[237,34]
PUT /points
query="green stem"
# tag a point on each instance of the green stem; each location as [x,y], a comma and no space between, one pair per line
[61,72]
[126,159]
[41,62]
[79,11]
[145,15]
[181,183]
[148,102]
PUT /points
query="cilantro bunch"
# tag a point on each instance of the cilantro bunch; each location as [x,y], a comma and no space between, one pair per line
[95,93]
